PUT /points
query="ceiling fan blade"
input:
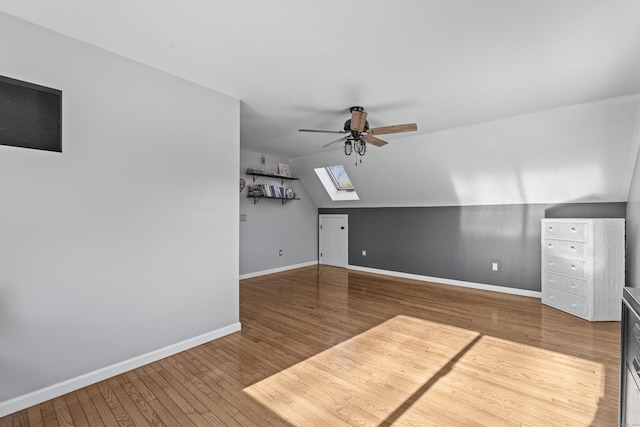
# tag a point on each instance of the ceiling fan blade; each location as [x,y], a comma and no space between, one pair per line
[410,127]
[322,131]
[344,138]
[358,119]
[370,139]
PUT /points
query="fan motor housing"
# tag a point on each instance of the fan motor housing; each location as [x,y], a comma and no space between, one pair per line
[347,126]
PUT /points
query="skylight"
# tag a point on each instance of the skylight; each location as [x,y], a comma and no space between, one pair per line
[337,183]
[340,178]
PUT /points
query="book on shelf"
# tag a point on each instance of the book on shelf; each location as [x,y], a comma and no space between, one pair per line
[254,190]
[266,190]
[255,170]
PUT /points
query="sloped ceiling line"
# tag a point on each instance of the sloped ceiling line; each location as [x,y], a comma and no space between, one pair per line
[583,152]
[441,64]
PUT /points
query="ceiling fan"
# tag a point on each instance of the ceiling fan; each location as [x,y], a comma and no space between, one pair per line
[359,134]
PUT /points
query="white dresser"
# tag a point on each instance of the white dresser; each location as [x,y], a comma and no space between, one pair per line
[583,266]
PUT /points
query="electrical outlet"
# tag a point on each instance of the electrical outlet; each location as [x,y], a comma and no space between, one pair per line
[364,252]
[495,265]
[280,252]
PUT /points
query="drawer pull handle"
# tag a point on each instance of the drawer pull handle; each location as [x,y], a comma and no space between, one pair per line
[573,248]
[573,267]
[573,229]
[550,262]
[550,245]
[550,228]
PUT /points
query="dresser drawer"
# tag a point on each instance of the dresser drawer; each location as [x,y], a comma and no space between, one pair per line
[566,284]
[570,267]
[631,331]
[564,248]
[565,230]
[566,302]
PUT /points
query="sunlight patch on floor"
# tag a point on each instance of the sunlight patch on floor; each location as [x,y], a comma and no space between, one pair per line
[408,371]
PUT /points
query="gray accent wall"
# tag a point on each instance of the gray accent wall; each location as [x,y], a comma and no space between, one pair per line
[460,242]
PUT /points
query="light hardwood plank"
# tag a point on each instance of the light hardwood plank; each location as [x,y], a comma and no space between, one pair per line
[34,417]
[49,416]
[130,408]
[130,392]
[114,404]
[89,409]
[328,346]
[62,412]
[99,402]
[163,405]
[75,409]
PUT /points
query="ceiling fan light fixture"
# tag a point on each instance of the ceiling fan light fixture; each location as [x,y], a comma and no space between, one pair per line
[360,146]
[359,133]
[348,147]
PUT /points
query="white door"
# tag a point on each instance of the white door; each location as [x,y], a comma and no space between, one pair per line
[333,239]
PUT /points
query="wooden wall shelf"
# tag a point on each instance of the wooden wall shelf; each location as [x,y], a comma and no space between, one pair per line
[256,198]
[282,179]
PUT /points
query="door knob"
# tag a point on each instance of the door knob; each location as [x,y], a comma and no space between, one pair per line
[341,228]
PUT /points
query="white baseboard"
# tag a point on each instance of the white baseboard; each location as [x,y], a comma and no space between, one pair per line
[22,402]
[277,270]
[494,288]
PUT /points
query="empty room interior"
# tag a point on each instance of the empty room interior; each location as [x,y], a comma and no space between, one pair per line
[319,213]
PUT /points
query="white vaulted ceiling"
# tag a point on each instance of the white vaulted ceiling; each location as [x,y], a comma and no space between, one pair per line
[513,99]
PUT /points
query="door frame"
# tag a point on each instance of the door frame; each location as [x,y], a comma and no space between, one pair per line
[346,239]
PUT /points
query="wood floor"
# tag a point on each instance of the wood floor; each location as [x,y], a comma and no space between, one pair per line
[328,346]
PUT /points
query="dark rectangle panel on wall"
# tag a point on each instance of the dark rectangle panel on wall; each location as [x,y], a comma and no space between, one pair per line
[460,242]
[30,115]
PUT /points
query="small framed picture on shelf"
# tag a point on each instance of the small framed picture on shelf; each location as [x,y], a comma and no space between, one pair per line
[284,170]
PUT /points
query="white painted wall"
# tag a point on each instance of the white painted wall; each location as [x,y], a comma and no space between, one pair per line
[582,153]
[127,241]
[270,226]
[633,220]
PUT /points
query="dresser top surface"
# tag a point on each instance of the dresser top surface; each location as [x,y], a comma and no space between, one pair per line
[632,296]
[580,219]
